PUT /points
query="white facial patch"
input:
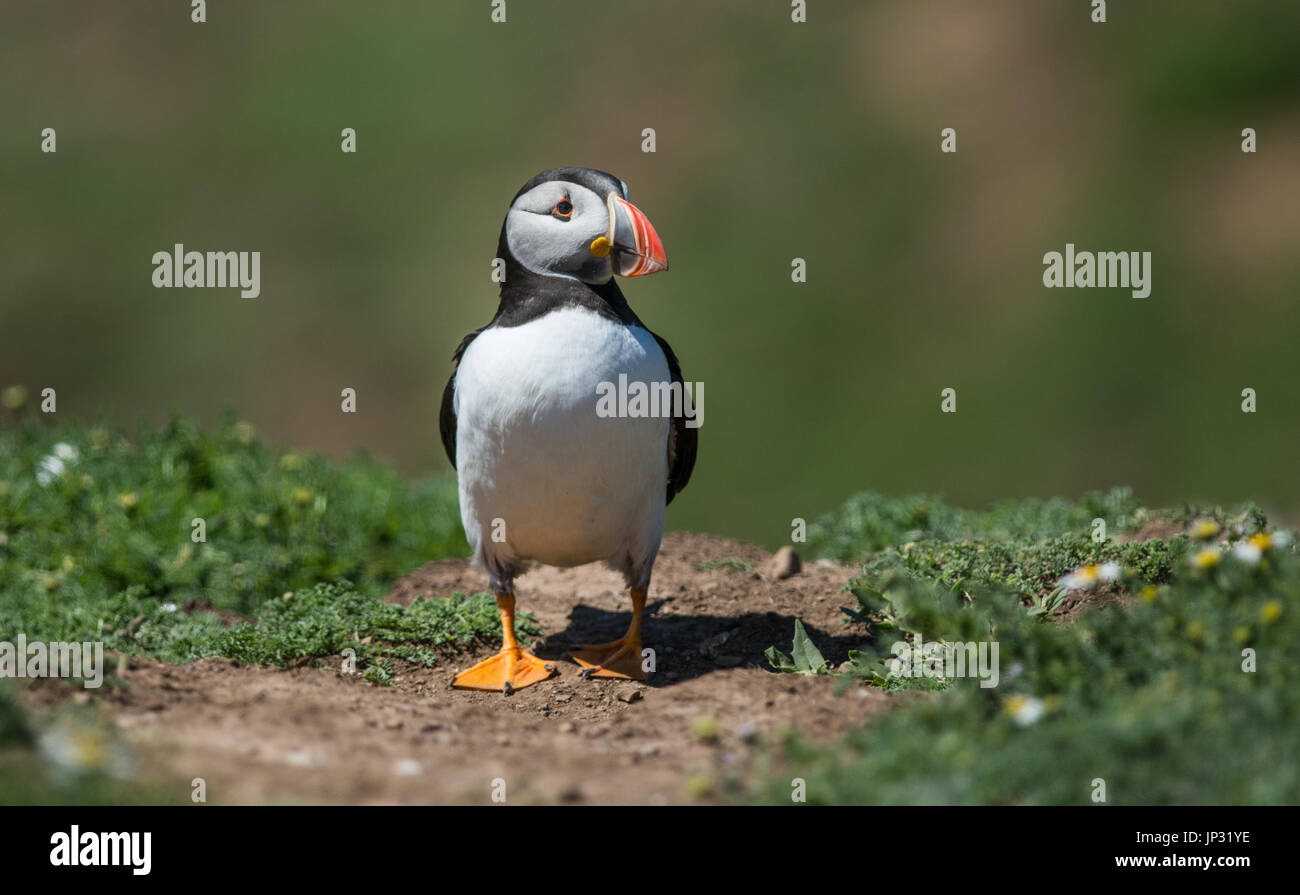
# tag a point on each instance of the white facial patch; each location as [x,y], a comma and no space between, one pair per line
[550,245]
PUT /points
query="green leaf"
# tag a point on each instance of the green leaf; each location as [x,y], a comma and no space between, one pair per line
[779,660]
[807,658]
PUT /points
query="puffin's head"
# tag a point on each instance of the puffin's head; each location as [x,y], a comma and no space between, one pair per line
[577,222]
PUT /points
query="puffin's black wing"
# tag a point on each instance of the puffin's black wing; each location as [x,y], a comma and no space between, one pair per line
[447,416]
[682,439]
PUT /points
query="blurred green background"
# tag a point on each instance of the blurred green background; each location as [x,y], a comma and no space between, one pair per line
[775,141]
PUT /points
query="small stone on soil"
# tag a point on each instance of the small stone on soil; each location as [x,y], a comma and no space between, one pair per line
[784,564]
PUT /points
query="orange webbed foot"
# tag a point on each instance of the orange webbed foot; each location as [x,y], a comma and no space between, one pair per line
[511,669]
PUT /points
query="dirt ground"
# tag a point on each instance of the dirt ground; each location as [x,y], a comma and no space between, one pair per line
[311,734]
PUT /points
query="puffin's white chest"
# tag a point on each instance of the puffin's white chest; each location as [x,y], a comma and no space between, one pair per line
[543,476]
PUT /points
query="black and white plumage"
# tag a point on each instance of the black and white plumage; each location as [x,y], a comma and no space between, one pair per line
[543,477]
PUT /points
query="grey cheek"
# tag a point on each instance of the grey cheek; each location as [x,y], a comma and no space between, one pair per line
[545,247]
[542,247]
[527,242]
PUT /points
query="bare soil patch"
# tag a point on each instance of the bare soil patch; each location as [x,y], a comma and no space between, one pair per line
[311,734]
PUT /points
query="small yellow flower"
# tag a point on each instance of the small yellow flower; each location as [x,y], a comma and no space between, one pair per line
[302,496]
[1149,593]
[99,438]
[699,786]
[1195,629]
[1271,611]
[14,397]
[1206,558]
[705,728]
[1270,540]
[129,501]
[1241,634]
[291,461]
[1204,529]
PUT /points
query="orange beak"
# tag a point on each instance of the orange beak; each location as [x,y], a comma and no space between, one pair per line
[635,246]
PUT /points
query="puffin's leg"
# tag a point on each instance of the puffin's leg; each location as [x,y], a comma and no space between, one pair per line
[511,669]
[620,658]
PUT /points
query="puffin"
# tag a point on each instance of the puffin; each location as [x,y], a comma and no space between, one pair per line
[546,474]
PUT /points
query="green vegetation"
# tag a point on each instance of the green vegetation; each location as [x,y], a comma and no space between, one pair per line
[1119,659]
[1151,696]
[1027,568]
[98,541]
[329,618]
[870,522]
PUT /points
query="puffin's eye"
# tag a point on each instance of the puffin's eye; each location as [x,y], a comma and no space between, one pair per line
[563,209]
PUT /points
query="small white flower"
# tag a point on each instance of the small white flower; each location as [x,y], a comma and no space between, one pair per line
[1088,577]
[1024,710]
[53,465]
[75,747]
[1247,553]
[1080,579]
[50,469]
[168,607]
